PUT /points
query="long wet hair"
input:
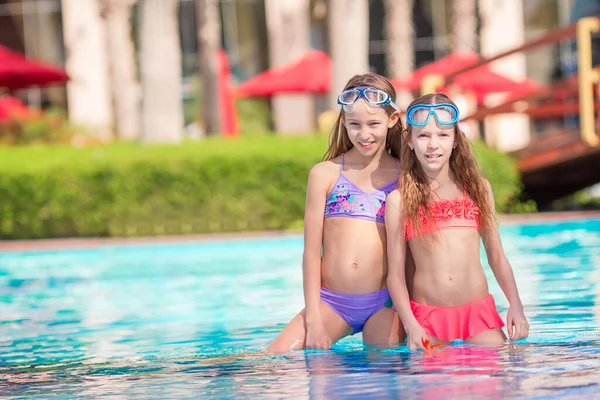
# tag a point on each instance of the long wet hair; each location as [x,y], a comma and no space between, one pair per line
[339,141]
[415,190]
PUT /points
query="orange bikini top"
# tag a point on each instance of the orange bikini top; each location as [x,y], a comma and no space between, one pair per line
[447,214]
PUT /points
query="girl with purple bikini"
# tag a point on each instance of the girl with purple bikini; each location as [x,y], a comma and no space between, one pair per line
[345,263]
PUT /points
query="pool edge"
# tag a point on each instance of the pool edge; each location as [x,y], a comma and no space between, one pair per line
[90,243]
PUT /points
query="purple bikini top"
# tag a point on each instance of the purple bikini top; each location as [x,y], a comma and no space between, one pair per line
[348,200]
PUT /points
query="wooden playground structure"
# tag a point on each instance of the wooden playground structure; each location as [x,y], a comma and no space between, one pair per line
[557,162]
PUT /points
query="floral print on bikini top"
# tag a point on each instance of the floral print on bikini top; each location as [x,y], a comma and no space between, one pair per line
[347,200]
[447,214]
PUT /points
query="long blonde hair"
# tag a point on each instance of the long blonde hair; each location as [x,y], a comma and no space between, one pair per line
[339,141]
[416,191]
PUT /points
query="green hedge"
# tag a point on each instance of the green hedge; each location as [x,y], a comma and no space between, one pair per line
[502,172]
[216,185]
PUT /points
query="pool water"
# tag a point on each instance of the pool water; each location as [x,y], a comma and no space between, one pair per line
[177,321]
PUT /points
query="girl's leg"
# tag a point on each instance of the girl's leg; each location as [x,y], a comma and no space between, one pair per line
[293,336]
[492,337]
[383,329]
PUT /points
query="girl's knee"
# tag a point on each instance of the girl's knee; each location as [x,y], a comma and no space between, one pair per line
[492,337]
[284,344]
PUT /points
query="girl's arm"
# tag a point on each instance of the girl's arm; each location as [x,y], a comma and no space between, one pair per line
[516,323]
[410,270]
[396,280]
[316,194]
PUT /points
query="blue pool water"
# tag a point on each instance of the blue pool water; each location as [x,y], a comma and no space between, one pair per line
[175,321]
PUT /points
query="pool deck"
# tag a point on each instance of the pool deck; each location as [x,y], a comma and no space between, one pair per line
[86,243]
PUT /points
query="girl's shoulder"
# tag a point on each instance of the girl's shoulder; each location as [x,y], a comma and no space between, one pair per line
[325,171]
[326,167]
[394,197]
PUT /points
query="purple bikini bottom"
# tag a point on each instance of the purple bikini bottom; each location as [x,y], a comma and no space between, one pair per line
[356,309]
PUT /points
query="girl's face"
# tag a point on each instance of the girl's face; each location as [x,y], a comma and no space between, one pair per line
[367,127]
[432,144]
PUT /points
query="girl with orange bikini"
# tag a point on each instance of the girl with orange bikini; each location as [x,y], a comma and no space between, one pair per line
[442,206]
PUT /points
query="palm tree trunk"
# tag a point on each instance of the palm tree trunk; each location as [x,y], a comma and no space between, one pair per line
[348,42]
[464,25]
[123,75]
[88,91]
[507,132]
[288,30]
[209,41]
[160,66]
[400,36]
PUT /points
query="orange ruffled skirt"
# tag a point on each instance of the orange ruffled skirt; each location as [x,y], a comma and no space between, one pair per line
[458,322]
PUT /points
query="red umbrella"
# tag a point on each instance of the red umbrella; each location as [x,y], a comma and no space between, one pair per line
[18,72]
[483,81]
[11,107]
[227,109]
[445,66]
[311,73]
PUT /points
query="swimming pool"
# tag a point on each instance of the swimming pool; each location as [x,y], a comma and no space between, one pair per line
[151,321]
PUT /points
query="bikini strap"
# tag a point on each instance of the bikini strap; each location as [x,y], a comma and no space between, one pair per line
[465,191]
[342,163]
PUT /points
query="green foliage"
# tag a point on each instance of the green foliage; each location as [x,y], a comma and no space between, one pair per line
[36,127]
[216,185]
[504,177]
[254,113]
[581,200]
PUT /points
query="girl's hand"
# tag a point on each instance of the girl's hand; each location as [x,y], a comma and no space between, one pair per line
[317,337]
[417,338]
[516,323]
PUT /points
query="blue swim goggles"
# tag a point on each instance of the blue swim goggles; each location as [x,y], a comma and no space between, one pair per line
[444,114]
[372,95]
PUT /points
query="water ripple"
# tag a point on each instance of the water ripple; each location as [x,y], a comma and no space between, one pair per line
[188,320]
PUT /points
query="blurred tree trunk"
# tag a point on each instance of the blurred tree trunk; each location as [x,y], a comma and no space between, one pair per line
[464,25]
[160,67]
[209,42]
[125,90]
[348,42]
[495,38]
[400,36]
[88,91]
[288,30]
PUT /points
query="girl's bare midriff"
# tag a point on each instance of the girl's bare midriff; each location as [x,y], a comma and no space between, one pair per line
[354,259]
[452,275]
